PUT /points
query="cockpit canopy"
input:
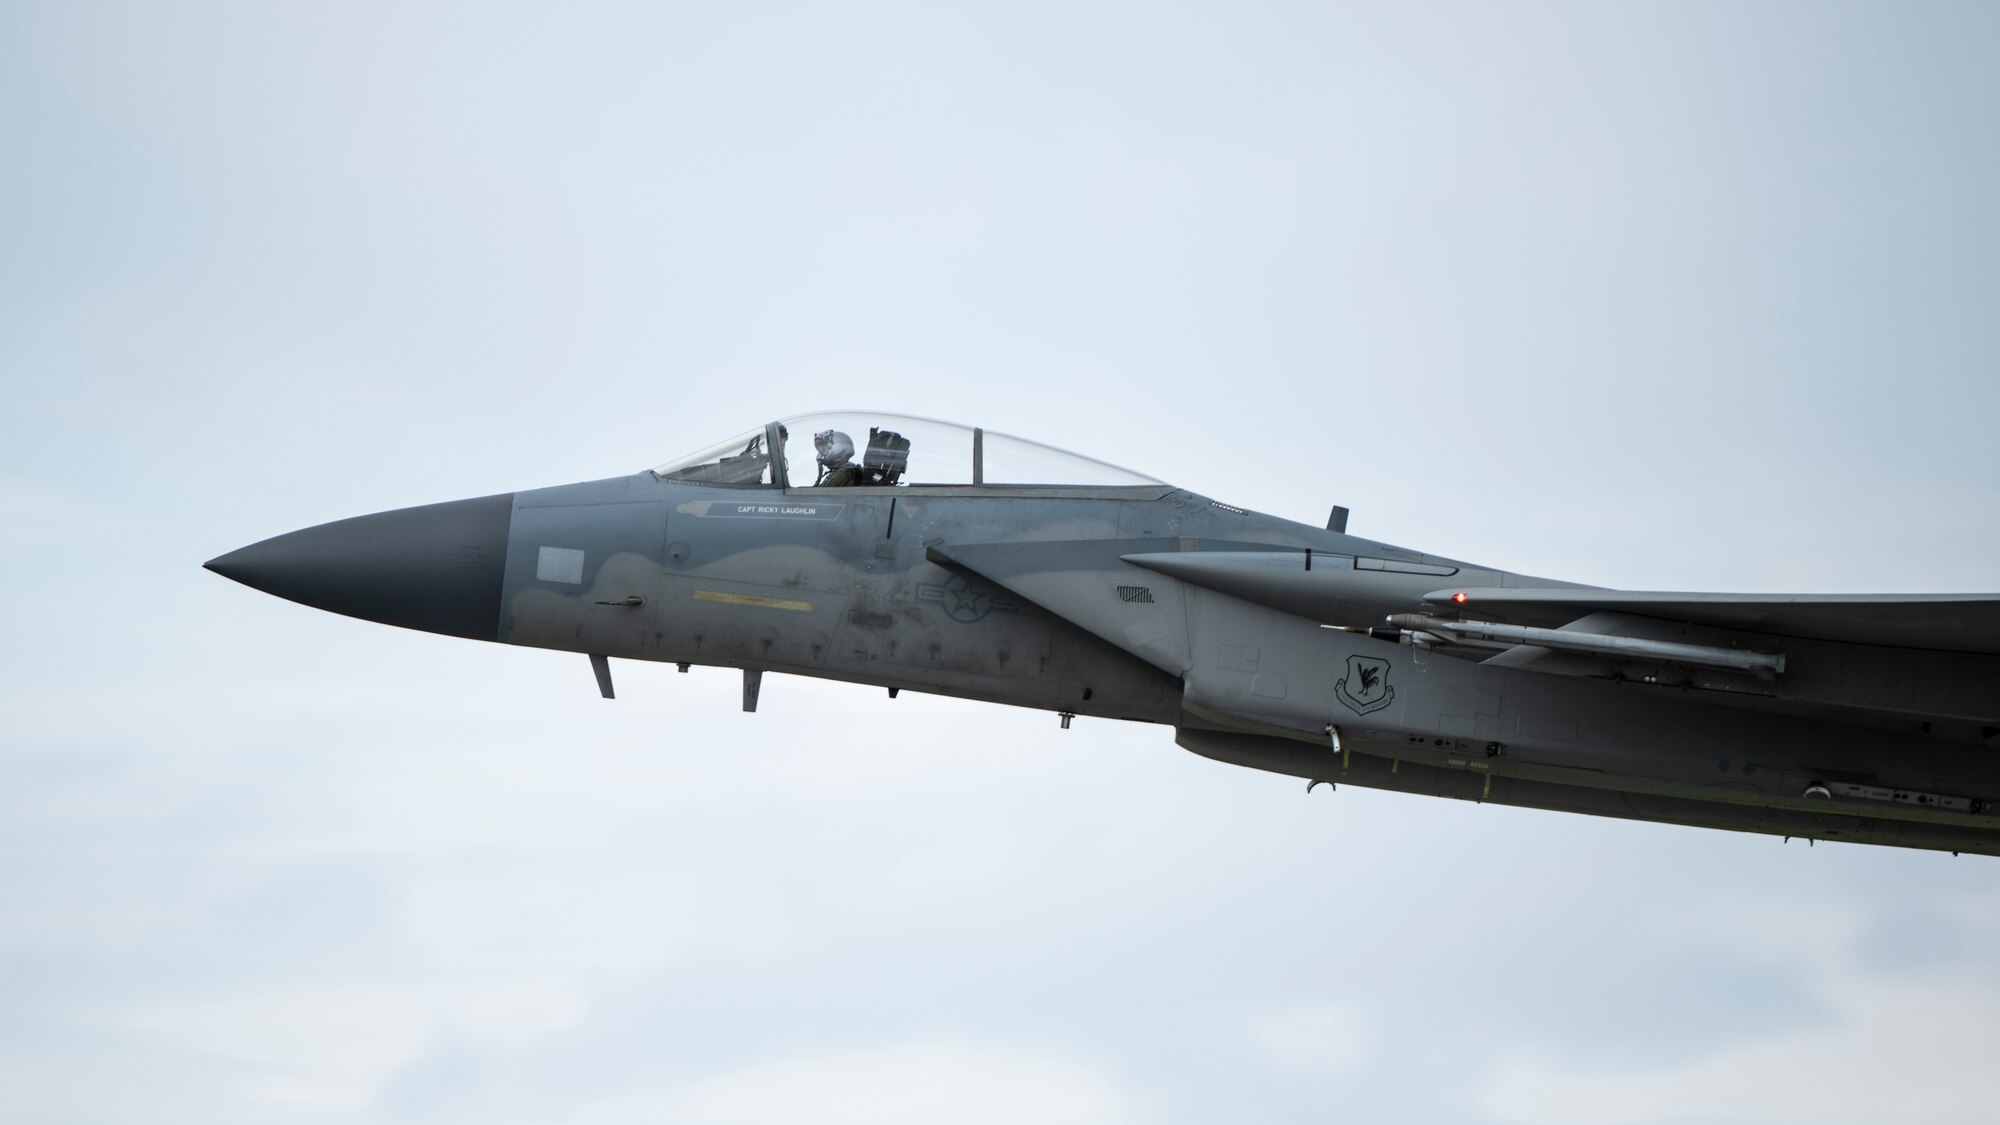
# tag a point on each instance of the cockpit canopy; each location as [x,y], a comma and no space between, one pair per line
[860,448]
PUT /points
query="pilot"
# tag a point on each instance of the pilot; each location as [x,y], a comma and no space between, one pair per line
[836,460]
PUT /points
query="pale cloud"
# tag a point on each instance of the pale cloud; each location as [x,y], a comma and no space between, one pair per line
[47,521]
[307,1050]
[1324,1038]
[1902,1045]
[293,1048]
[1890,1051]
[917,1084]
[526,911]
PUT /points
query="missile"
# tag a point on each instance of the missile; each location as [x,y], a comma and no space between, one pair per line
[1568,640]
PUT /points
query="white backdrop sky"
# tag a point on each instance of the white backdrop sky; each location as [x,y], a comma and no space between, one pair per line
[1695,296]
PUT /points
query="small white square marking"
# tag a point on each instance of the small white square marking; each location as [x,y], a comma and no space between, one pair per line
[560,564]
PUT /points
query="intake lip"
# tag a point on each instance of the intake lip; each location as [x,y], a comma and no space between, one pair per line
[437,568]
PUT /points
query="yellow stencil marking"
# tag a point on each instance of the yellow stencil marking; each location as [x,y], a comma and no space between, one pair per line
[752,599]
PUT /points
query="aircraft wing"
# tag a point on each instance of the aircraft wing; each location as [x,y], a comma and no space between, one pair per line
[1968,623]
[1921,657]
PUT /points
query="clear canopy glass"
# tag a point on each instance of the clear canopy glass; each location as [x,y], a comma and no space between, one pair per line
[740,460]
[872,449]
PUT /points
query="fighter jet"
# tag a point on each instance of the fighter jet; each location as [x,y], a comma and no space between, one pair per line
[907,553]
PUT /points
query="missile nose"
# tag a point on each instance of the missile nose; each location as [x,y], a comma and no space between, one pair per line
[437,567]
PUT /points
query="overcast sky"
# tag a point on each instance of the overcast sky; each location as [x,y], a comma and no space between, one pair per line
[1684,296]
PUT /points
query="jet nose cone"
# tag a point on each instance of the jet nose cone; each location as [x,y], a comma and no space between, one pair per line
[437,568]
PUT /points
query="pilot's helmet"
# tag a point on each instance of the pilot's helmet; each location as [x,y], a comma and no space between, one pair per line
[835,448]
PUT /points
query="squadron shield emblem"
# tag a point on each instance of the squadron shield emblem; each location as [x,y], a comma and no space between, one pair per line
[963,602]
[1366,685]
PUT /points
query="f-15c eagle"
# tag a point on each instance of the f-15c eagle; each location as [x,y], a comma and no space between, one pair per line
[912,554]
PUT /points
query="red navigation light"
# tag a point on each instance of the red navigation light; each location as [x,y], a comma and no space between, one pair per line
[1459,597]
